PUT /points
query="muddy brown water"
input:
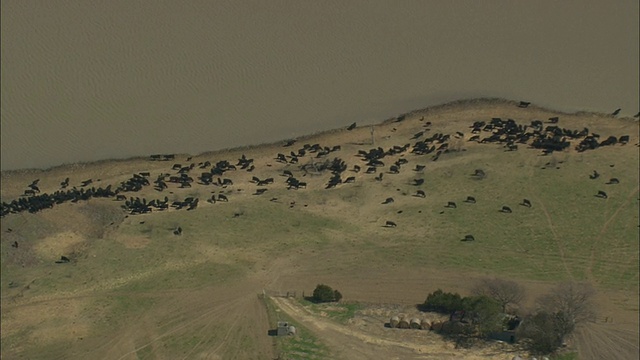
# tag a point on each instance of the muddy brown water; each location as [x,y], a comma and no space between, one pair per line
[84,81]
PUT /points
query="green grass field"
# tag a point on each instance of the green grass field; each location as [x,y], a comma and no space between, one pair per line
[124,266]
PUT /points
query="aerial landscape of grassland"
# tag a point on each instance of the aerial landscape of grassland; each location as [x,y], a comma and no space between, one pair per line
[135,290]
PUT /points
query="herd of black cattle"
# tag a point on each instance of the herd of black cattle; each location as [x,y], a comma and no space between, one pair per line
[508,132]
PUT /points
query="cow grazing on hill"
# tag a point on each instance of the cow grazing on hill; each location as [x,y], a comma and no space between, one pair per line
[451,204]
[388,200]
[63,260]
[418,182]
[526,202]
[506,209]
[613,181]
[594,176]
[468,238]
[420,193]
[419,167]
[601,194]
[470,199]
[479,173]
[623,139]
[390,224]
[351,127]
[524,104]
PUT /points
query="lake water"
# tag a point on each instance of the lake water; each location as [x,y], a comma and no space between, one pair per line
[91,80]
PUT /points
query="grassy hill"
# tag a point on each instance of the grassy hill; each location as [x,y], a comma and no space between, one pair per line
[134,289]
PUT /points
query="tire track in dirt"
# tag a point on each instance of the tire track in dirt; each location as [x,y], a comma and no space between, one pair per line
[600,341]
[555,237]
[592,258]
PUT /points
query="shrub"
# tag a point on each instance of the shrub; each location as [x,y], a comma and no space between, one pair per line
[443,302]
[324,293]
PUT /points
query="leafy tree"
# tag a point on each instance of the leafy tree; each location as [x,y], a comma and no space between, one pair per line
[443,302]
[541,330]
[485,312]
[337,295]
[324,293]
[505,292]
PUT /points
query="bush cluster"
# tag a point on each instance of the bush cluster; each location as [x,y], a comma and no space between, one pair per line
[324,293]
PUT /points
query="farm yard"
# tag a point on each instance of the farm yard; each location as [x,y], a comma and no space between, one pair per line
[169,263]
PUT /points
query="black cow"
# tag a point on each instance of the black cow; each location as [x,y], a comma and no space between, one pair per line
[222,198]
[524,104]
[601,194]
[418,182]
[260,191]
[526,202]
[390,224]
[616,112]
[451,204]
[419,167]
[506,209]
[613,181]
[177,231]
[594,176]
[379,177]
[393,169]
[388,200]
[623,139]
[351,127]
[468,238]
[479,173]
[350,179]
[371,170]
[63,260]
[470,199]
[420,193]
[15,244]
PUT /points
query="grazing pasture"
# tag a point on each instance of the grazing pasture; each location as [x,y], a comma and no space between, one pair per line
[135,286]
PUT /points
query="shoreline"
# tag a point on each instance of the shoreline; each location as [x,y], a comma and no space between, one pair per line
[429,110]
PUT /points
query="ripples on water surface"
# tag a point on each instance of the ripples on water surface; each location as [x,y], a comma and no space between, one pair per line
[94,80]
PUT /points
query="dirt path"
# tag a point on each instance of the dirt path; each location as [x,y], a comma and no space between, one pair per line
[348,342]
[555,237]
[607,341]
[592,257]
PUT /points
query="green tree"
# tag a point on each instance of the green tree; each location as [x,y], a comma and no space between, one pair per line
[324,293]
[443,302]
[485,312]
